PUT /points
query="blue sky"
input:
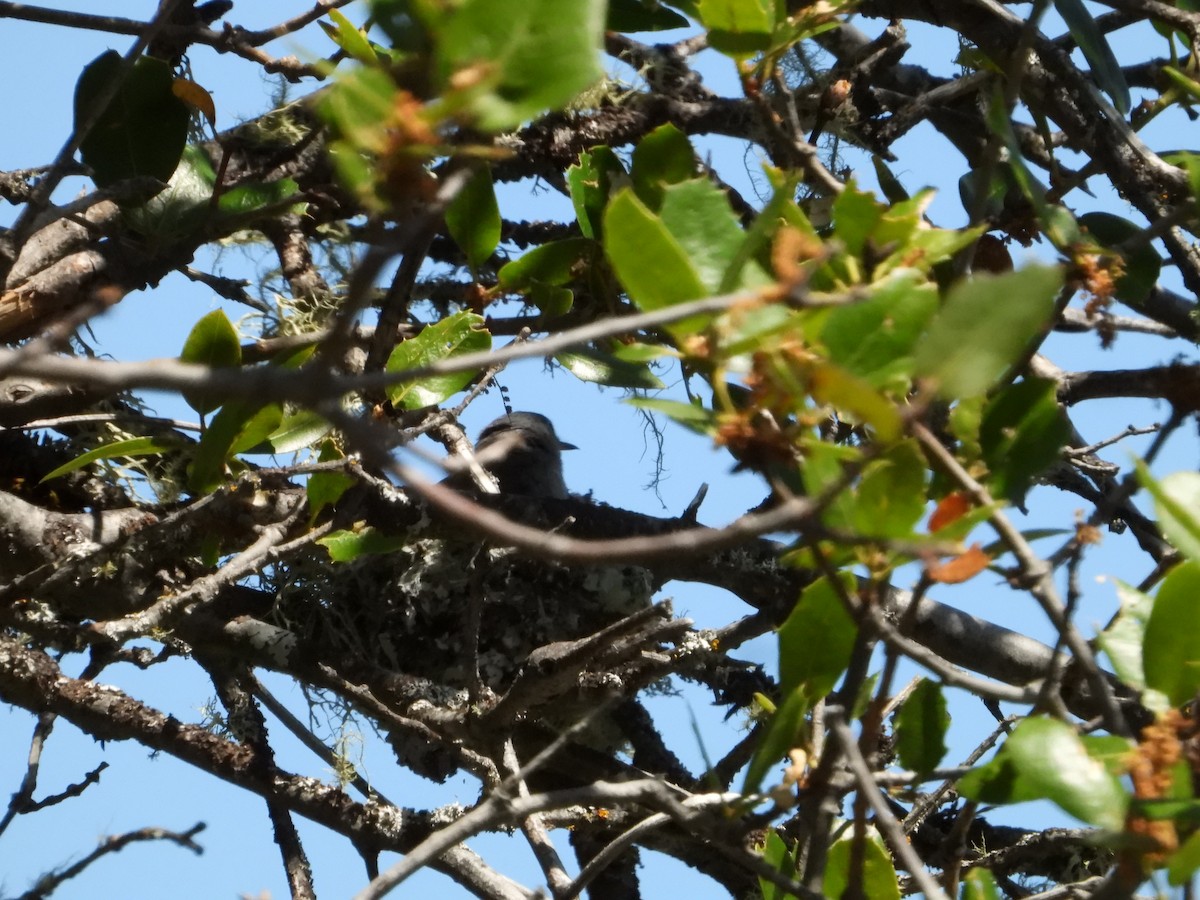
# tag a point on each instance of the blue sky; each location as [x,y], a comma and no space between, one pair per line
[616,461]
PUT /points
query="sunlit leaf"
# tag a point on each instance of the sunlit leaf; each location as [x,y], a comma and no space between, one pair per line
[521,59]
[651,263]
[876,339]
[690,415]
[698,216]
[197,98]
[816,639]
[255,195]
[299,429]
[349,38]
[784,731]
[591,181]
[984,326]
[1177,505]
[776,854]
[212,342]
[663,157]
[553,263]
[879,881]
[347,546]
[127,449]
[1185,861]
[453,336]
[979,884]
[326,488]
[216,448]
[1122,639]
[1044,759]
[254,433]
[602,368]
[739,28]
[1171,648]
[890,499]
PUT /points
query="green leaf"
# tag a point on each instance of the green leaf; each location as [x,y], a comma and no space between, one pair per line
[347,546]
[692,416]
[738,28]
[257,429]
[1177,505]
[876,338]
[555,263]
[856,213]
[591,181]
[1122,640]
[664,156]
[984,327]
[1045,759]
[651,263]
[1184,862]
[979,884]
[351,39]
[359,106]
[1142,264]
[473,218]
[784,731]
[641,353]
[299,429]
[525,58]
[127,449]
[1022,433]
[602,368]
[776,854]
[326,488]
[921,728]
[551,300]
[453,336]
[217,445]
[1171,649]
[890,499]
[142,131]
[879,881]
[888,182]
[639,15]
[255,195]
[927,247]
[1105,68]
[816,640]
[836,387]
[698,216]
[212,342]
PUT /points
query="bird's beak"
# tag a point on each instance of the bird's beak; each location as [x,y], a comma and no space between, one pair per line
[563,445]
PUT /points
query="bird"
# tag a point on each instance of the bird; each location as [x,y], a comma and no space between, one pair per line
[523,453]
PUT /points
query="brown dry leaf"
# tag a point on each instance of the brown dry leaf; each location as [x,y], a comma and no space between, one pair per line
[950,509]
[962,568]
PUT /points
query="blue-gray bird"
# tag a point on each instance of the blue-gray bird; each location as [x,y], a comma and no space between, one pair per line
[523,453]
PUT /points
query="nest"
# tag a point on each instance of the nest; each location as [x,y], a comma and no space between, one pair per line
[411,610]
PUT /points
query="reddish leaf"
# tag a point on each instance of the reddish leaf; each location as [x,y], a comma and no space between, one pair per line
[961,568]
[951,508]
